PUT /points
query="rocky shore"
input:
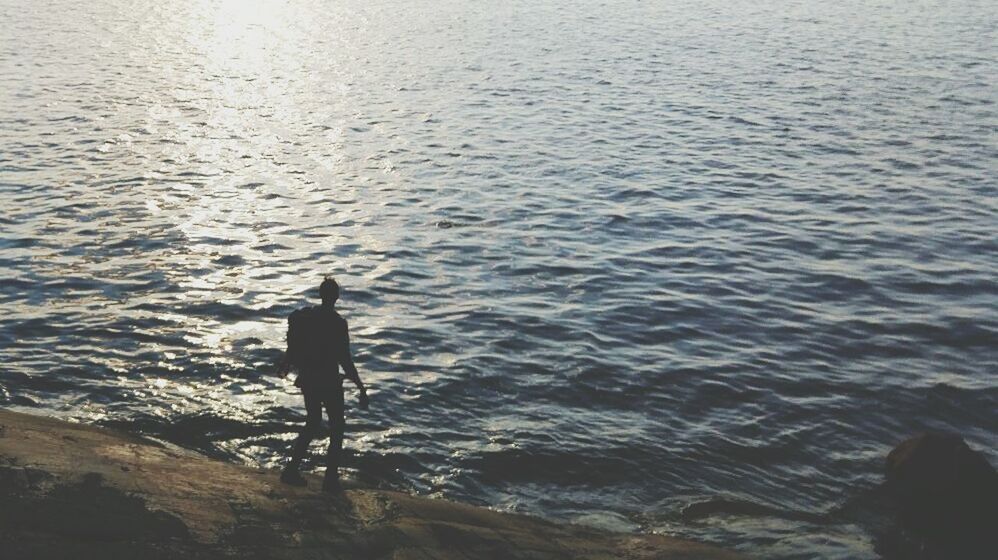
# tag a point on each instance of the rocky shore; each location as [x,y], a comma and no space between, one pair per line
[78,492]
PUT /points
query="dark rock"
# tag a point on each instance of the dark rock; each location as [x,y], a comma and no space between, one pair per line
[107,495]
[946,494]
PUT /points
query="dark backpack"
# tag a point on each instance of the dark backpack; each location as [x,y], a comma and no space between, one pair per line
[308,339]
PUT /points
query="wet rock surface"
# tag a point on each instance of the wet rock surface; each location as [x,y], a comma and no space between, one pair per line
[75,491]
[946,496]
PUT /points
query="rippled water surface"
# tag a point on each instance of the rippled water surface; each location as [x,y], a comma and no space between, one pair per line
[602,260]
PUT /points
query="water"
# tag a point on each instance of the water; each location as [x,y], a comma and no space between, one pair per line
[602,260]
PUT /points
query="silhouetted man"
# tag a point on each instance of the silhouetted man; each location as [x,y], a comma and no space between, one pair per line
[318,344]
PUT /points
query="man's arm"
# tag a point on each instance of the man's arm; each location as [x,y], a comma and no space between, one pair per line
[284,366]
[346,360]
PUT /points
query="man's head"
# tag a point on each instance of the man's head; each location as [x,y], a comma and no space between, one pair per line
[329,290]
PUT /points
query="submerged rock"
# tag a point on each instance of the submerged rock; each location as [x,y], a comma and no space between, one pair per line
[946,494]
[75,491]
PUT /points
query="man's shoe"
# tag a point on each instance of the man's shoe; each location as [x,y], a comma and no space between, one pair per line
[331,485]
[292,477]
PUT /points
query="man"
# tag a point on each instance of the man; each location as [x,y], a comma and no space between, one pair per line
[318,344]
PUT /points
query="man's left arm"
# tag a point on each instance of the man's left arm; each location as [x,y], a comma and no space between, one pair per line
[284,366]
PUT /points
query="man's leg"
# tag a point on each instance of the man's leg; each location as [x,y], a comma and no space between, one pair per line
[313,423]
[334,409]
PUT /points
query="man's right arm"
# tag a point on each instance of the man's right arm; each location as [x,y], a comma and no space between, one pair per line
[346,360]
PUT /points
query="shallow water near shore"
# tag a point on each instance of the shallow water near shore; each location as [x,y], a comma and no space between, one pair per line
[603,261]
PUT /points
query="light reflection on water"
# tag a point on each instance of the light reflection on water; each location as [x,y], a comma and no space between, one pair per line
[601,260]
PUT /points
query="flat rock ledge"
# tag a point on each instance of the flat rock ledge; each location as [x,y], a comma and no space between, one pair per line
[79,492]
